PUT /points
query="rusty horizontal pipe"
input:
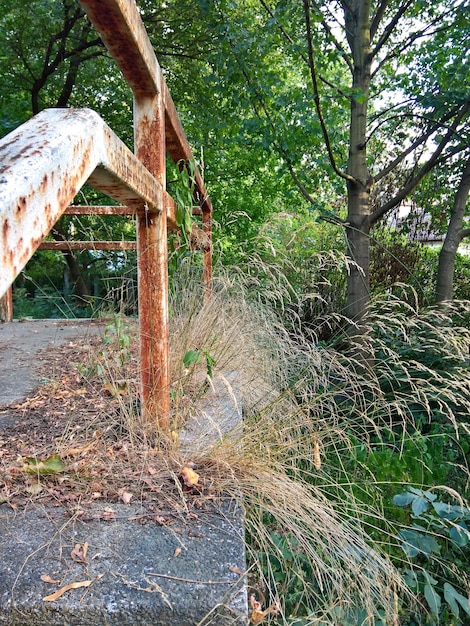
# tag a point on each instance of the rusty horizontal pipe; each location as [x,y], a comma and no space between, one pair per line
[87,245]
[179,149]
[122,31]
[44,163]
[75,209]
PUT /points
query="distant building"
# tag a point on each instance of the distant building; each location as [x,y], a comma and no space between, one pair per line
[416,223]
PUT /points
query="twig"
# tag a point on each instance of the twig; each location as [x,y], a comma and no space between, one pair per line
[194,582]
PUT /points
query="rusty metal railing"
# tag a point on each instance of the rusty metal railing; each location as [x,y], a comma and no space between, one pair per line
[45,162]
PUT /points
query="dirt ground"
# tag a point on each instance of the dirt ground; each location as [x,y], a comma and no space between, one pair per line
[75,465]
[54,400]
[70,423]
[24,348]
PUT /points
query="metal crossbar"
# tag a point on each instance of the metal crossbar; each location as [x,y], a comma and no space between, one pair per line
[45,162]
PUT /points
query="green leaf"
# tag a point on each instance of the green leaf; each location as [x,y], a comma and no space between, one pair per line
[452,596]
[410,578]
[415,542]
[460,534]
[450,512]
[419,505]
[433,599]
[191,358]
[403,499]
[187,222]
[52,465]
[210,362]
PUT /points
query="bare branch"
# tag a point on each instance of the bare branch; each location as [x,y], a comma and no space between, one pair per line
[337,45]
[316,97]
[425,169]
[303,57]
[412,38]
[378,18]
[391,27]
[436,125]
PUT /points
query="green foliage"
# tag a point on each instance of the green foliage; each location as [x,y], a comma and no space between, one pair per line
[290,570]
[395,258]
[117,340]
[193,357]
[183,191]
[46,302]
[436,544]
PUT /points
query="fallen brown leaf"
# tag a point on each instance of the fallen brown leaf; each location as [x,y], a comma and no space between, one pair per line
[47,579]
[126,497]
[60,592]
[258,615]
[79,552]
[189,476]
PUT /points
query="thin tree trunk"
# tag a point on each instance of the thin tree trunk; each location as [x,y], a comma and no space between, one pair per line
[81,288]
[455,234]
[357,15]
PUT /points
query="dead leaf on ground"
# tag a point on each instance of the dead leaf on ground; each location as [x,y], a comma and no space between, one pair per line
[115,389]
[34,489]
[80,450]
[177,552]
[108,513]
[47,579]
[60,592]
[258,615]
[189,476]
[79,552]
[126,497]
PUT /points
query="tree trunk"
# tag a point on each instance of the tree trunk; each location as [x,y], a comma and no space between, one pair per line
[455,234]
[81,288]
[357,16]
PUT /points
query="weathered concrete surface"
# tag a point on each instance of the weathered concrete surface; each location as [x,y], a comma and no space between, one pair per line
[202,584]
[183,574]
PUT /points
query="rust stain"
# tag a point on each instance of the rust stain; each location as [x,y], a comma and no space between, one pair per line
[149,133]
[125,37]
[21,206]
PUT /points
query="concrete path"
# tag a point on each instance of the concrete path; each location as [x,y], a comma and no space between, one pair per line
[20,343]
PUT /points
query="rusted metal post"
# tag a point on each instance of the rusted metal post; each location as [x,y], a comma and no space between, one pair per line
[207,259]
[152,259]
[6,306]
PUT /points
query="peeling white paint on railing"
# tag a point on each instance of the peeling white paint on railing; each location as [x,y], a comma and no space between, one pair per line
[45,162]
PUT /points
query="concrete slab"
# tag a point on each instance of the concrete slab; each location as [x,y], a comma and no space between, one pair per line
[140,567]
[184,573]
